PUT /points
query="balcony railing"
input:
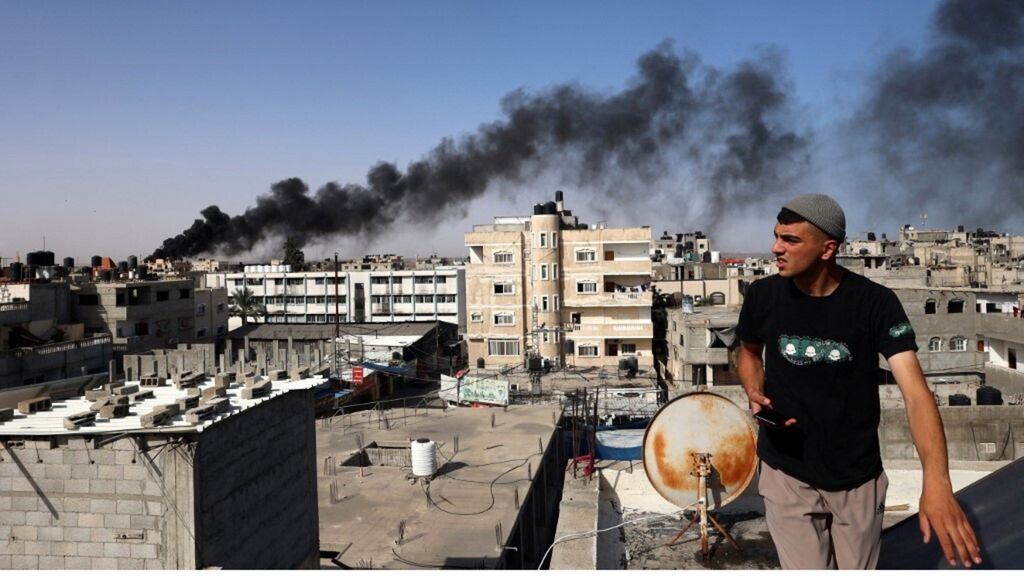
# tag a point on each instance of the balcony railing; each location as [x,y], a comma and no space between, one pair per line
[56,347]
[13,306]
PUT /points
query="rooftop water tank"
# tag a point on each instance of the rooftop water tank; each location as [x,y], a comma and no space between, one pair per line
[424,457]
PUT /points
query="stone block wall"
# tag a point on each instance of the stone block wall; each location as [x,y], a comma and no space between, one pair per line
[66,504]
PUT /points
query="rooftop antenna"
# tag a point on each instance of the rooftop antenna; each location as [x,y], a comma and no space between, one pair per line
[337,327]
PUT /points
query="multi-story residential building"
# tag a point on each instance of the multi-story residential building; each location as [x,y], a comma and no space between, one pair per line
[140,315]
[38,341]
[211,306]
[564,291]
[352,296]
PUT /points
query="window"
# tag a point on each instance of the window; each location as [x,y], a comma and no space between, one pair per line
[543,271]
[446,298]
[220,329]
[554,271]
[253,282]
[627,349]
[119,298]
[476,317]
[504,257]
[278,281]
[958,344]
[320,281]
[220,307]
[929,306]
[201,333]
[544,304]
[296,281]
[554,239]
[200,309]
[504,288]
[403,299]
[502,347]
[543,240]
[955,306]
[424,298]
[587,350]
[88,299]
[555,308]
[379,280]
[162,295]
[935,345]
[424,280]
[316,299]
[440,279]
[504,319]
[295,300]
[586,255]
[586,287]
[237,282]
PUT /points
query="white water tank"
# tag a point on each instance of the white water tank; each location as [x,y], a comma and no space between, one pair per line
[424,457]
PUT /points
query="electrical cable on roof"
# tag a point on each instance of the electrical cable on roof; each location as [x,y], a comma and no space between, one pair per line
[589,533]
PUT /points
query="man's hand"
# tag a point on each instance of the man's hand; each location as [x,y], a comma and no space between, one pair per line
[941,514]
[751,372]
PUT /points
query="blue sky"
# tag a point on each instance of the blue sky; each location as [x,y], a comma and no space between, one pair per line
[121,120]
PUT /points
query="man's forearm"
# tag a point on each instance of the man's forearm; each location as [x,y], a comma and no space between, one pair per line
[929,438]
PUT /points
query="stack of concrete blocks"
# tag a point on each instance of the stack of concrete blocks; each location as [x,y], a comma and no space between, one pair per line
[256,387]
[33,405]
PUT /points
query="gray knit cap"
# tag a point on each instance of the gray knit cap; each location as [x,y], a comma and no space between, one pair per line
[823,212]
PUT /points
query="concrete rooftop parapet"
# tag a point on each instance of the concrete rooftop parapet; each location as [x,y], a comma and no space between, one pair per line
[577,515]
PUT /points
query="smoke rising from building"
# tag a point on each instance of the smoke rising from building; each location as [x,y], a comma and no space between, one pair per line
[726,130]
[947,124]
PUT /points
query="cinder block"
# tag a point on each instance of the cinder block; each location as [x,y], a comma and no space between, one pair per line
[103,506]
[90,520]
[131,564]
[130,507]
[58,471]
[11,548]
[102,455]
[224,379]
[84,472]
[90,549]
[6,414]
[188,403]
[24,533]
[113,472]
[128,390]
[143,522]
[157,417]
[5,561]
[76,486]
[150,488]
[278,375]
[21,485]
[116,522]
[76,421]
[25,562]
[103,486]
[76,534]
[129,487]
[143,395]
[117,550]
[104,564]
[64,548]
[154,508]
[33,405]
[111,411]
[154,564]
[37,548]
[55,456]
[136,472]
[94,395]
[124,458]
[215,392]
[144,551]
[76,562]
[51,533]
[51,562]
[40,520]
[25,503]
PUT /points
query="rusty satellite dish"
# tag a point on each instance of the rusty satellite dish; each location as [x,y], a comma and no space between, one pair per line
[695,425]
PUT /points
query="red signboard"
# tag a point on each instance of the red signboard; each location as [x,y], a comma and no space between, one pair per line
[357,375]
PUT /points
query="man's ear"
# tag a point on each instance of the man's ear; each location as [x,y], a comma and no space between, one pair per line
[829,249]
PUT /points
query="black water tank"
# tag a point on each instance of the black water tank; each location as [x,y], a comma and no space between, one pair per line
[558,196]
[989,396]
[122,266]
[86,270]
[871,236]
[69,263]
[550,208]
[480,363]
[142,272]
[16,272]
[33,259]
[133,262]
[96,261]
[538,209]
[534,364]
[959,400]
[107,276]
[623,363]
[569,346]
[634,364]
[49,259]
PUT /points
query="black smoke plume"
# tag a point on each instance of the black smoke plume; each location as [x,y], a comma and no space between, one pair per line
[947,124]
[727,131]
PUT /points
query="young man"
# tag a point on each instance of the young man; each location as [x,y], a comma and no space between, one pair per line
[821,328]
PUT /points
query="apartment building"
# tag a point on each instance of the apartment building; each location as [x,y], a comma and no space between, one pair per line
[573,294]
[139,315]
[353,296]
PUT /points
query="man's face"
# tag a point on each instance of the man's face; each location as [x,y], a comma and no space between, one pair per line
[800,247]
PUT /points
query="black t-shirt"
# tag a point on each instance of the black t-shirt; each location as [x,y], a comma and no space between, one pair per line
[821,367]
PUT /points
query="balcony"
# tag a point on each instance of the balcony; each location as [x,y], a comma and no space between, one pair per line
[610,330]
[610,299]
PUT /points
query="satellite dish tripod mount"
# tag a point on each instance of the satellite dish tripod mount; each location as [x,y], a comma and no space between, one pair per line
[702,470]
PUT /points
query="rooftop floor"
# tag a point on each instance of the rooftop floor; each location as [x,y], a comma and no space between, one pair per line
[473,493]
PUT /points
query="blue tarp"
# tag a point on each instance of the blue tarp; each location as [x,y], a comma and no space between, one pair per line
[620,444]
[385,368]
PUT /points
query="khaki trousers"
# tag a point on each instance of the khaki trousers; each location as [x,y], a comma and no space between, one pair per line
[818,529]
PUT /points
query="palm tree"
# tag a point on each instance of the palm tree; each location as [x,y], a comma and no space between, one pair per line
[244,304]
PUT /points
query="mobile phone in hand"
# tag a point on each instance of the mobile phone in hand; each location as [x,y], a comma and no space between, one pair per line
[771,418]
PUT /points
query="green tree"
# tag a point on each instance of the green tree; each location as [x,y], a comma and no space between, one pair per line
[293,254]
[245,305]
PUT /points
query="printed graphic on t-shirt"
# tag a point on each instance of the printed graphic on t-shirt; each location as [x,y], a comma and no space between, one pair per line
[902,329]
[802,350]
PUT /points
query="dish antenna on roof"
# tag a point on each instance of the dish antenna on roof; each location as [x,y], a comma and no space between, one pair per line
[705,444]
